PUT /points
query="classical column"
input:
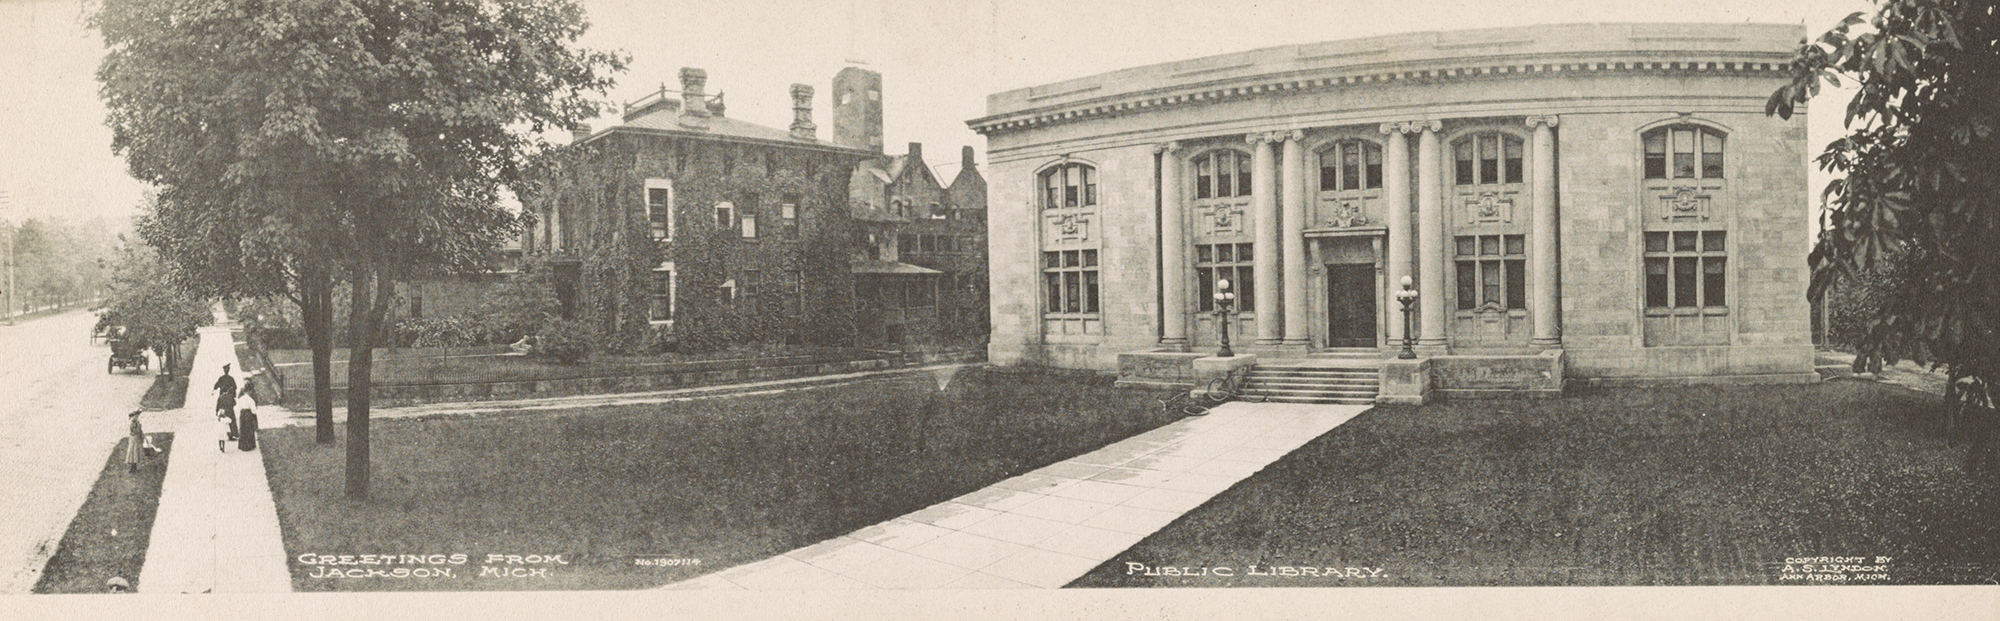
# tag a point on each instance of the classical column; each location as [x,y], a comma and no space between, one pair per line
[1295,239]
[1543,298]
[1264,202]
[1396,205]
[1173,243]
[1430,238]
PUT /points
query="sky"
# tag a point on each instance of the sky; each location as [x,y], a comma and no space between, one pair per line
[938,59]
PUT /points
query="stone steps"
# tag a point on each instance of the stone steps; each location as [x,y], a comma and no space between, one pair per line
[1316,382]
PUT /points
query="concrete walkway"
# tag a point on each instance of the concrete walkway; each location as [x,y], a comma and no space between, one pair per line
[277,416]
[1046,528]
[217,527]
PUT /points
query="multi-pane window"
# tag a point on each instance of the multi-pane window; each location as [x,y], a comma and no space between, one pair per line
[660,208]
[1686,269]
[725,216]
[1222,174]
[788,216]
[1069,185]
[1680,149]
[749,217]
[1214,262]
[1069,281]
[1350,165]
[753,280]
[1492,272]
[907,244]
[660,294]
[1486,159]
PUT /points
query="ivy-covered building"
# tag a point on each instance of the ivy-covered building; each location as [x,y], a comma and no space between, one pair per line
[684,228]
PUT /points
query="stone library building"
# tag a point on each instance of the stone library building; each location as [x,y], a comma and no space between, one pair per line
[1592,203]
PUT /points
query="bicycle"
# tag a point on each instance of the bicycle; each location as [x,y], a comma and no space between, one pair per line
[1218,391]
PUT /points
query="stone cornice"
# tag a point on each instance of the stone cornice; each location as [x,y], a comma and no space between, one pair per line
[1772,66]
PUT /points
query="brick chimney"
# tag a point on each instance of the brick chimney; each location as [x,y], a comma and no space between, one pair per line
[802,113]
[916,151]
[578,132]
[694,106]
[965,158]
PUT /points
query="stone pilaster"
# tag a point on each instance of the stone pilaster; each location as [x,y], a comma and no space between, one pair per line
[1430,238]
[1544,301]
[1294,233]
[1396,208]
[1264,203]
[1174,304]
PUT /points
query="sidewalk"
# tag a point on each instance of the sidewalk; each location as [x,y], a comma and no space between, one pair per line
[279,416]
[1046,528]
[217,528]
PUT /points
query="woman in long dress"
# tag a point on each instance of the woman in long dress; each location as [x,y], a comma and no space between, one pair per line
[135,446]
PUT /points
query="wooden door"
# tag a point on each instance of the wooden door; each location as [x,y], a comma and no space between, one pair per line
[1350,305]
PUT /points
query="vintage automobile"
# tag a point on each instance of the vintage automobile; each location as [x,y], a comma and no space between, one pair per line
[125,353]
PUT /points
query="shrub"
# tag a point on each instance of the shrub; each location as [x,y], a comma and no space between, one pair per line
[563,340]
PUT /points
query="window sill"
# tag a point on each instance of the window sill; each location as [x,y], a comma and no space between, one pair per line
[1687,311]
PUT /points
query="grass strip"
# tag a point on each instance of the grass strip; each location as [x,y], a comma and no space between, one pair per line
[109,536]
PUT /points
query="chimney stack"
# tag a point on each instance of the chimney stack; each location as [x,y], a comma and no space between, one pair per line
[917,151]
[802,113]
[965,158]
[694,107]
[578,132]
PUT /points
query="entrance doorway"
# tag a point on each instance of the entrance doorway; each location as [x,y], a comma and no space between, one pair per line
[1350,305]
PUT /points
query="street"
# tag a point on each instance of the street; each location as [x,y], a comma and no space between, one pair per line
[60,418]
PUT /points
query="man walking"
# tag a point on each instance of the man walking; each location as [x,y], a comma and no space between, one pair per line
[225,399]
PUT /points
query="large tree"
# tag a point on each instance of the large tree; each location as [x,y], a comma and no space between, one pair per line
[364,139]
[1917,182]
[151,304]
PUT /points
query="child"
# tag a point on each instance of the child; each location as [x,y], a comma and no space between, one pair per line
[224,432]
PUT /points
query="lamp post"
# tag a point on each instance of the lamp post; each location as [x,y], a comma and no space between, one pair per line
[1223,298]
[1408,297]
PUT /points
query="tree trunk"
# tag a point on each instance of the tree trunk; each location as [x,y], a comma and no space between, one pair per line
[316,312]
[360,364]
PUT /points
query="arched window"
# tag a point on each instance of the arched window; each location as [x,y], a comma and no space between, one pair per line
[1350,165]
[1487,159]
[1069,185]
[1684,151]
[1222,174]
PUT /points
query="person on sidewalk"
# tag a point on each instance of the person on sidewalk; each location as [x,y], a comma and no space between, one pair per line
[246,416]
[225,432]
[225,398]
[135,445]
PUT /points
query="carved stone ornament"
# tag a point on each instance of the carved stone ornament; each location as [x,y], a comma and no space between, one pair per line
[1224,219]
[1346,214]
[1069,228]
[1684,203]
[1489,208]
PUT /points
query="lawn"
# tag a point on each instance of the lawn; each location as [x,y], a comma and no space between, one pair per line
[169,392]
[496,364]
[110,533]
[643,495]
[1682,486]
